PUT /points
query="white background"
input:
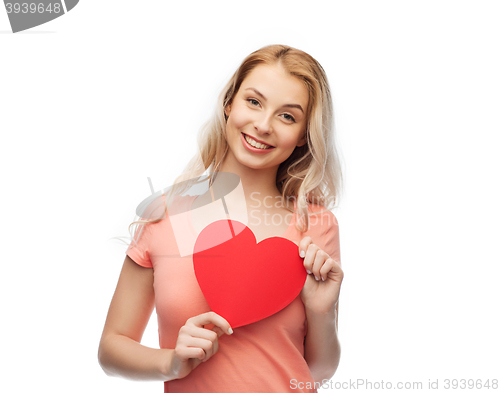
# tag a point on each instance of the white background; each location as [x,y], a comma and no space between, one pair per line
[94,102]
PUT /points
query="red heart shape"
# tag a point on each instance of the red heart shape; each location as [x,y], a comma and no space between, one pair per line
[243,281]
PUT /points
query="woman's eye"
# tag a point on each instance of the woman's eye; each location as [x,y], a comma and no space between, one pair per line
[286,116]
[253,101]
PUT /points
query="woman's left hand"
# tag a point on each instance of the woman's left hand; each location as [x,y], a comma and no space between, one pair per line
[321,290]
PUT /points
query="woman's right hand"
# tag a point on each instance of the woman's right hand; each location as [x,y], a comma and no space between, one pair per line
[195,344]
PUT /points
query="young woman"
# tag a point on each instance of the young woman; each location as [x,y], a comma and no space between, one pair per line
[273,127]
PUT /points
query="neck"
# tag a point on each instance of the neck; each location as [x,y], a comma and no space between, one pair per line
[257,183]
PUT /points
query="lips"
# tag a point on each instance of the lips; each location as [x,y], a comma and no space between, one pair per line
[256,140]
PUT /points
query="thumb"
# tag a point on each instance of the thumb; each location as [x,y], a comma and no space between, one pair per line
[309,285]
[218,330]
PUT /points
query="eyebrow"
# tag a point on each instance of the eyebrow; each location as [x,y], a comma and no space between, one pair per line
[265,99]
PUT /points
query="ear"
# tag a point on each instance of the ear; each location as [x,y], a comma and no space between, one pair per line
[302,141]
[227,110]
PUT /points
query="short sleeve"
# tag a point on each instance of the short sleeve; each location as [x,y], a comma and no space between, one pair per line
[139,248]
[331,236]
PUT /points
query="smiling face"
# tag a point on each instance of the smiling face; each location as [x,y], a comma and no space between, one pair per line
[267,118]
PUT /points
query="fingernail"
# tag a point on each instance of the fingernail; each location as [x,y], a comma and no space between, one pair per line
[302,254]
[323,278]
[230,331]
[317,279]
[308,271]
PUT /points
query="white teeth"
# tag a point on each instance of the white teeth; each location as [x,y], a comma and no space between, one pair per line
[256,144]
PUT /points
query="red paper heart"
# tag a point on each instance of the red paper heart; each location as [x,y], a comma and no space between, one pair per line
[243,281]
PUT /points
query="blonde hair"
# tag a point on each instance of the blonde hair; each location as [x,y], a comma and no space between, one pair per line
[312,173]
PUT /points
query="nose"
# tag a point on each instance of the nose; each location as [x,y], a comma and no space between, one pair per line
[263,123]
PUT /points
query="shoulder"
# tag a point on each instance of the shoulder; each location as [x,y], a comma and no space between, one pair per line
[324,230]
[321,217]
[159,206]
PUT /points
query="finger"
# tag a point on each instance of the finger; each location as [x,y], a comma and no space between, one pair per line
[195,331]
[186,353]
[336,272]
[304,243]
[326,268]
[218,331]
[211,317]
[215,348]
[312,249]
[319,260]
[206,345]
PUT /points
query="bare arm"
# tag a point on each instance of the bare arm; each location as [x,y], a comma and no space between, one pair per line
[322,346]
[320,295]
[120,352]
